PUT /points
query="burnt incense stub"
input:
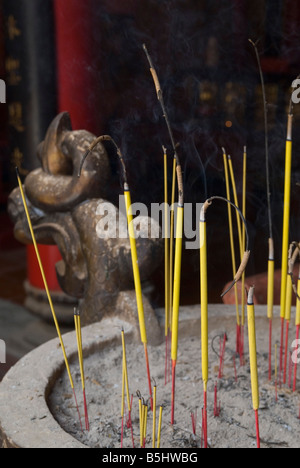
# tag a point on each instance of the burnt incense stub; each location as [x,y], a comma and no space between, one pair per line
[75,214]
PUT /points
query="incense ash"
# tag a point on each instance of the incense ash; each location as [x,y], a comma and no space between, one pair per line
[232,427]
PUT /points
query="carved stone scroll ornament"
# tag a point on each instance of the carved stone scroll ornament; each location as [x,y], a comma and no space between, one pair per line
[66,210]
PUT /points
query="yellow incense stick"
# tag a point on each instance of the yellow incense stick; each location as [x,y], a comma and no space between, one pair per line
[159,426]
[289,299]
[145,420]
[231,235]
[141,413]
[252,350]
[204,300]
[79,346]
[125,371]
[177,278]
[135,265]
[123,389]
[172,240]
[154,418]
[286,214]
[235,198]
[44,278]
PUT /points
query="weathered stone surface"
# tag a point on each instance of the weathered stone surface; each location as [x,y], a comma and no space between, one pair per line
[25,419]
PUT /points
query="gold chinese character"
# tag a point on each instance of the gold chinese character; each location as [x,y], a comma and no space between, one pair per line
[15,116]
[12,67]
[17,160]
[12,28]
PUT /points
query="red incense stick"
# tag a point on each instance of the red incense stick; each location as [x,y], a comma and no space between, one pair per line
[270,348]
[257,429]
[296,364]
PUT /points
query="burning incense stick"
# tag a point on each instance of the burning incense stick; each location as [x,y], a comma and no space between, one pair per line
[244,202]
[47,288]
[203,292]
[238,323]
[271,259]
[133,248]
[179,231]
[253,360]
[77,322]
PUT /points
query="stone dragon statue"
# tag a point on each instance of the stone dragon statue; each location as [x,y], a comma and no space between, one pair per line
[64,210]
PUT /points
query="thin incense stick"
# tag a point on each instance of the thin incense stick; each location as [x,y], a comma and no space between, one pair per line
[271,259]
[133,248]
[244,206]
[204,297]
[123,401]
[276,373]
[77,322]
[127,383]
[238,323]
[159,427]
[204,315]
[154,417]
[47,289]
[235,198]
[167,260]
[253,360]
[145,420]
[179,231]
[141,420]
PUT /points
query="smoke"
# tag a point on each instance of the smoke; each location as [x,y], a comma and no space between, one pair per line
[211,87]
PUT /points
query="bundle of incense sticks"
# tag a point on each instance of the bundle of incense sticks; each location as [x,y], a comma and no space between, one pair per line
[230,177]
